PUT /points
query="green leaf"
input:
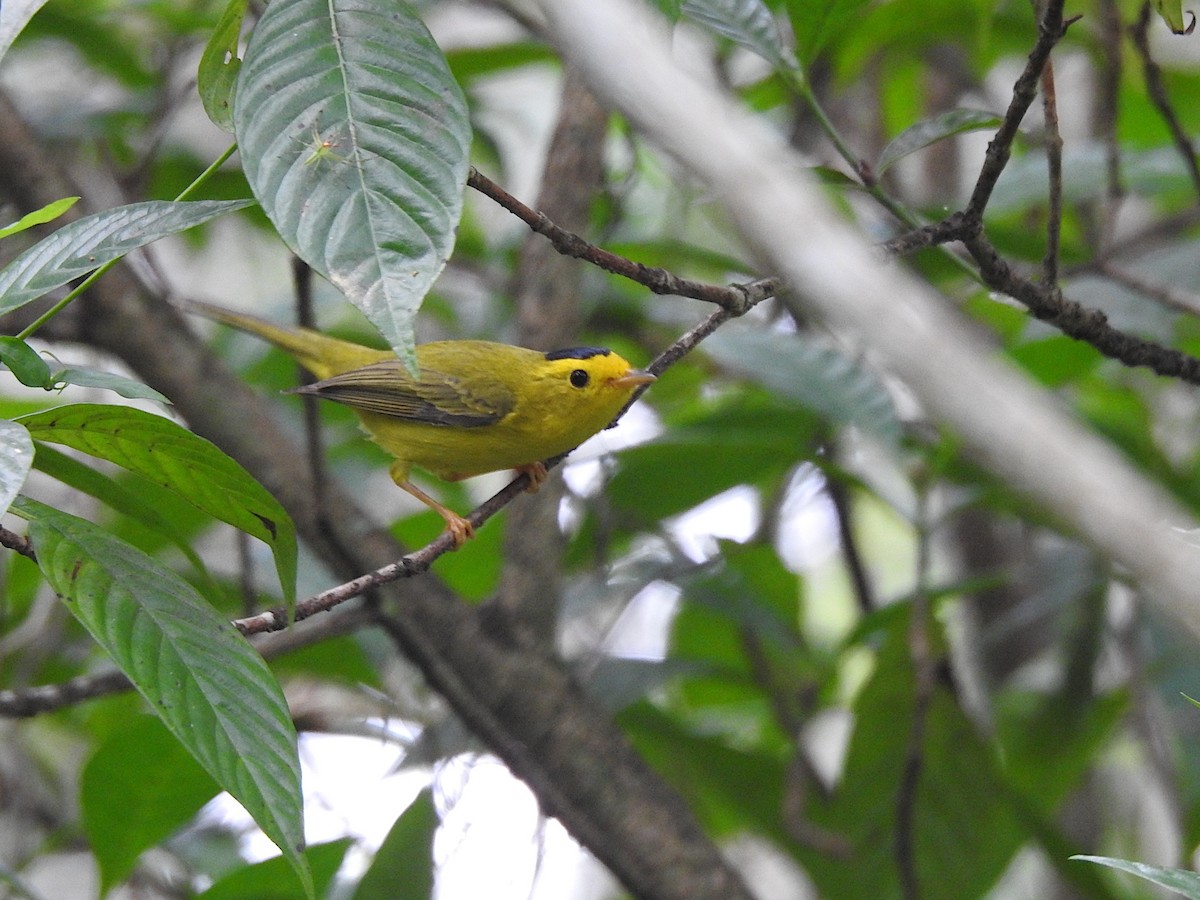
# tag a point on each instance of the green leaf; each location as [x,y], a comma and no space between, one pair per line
[273,880]
[25,363]
[109,381]
[801,368]
[200,676]
[930,131]
[138,788]
[403,865]
[1179,880]
[86,244]
[182,462]
[216,77]
[748,23]
[354,137]
[47,213]
[16,457]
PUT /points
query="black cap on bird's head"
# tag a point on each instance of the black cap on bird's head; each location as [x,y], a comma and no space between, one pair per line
[577,353]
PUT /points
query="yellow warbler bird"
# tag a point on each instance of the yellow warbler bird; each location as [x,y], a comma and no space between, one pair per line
[476,407]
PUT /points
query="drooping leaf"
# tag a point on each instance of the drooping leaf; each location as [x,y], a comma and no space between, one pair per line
[748,23]
[86,244]
[1171,12]
[185,463]
[14,15]
[109,381]
[25,363]
[138,787]
[1179,880]
[47,213]
[354,137]
[16,457]
[808,371]
[930,131]
[202,679]
[403,865]
[216,77]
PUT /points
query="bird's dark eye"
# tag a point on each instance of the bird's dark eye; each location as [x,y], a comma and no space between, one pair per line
[579,378]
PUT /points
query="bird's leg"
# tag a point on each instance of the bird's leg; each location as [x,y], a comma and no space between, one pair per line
[460,529]
[537,473]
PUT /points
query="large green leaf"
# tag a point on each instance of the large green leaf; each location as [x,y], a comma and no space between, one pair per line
[200,676]
[139,787]
[188,465]
[86,244]
[16,456]
[354,137]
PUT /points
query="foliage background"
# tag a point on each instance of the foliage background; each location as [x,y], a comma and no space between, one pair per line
[885,670]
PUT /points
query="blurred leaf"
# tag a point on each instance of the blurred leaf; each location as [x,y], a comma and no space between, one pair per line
[180,461]
[806,370]
[272,879]
[748,23]
[469,63]
[216,77]
[403,865]
[200,676]
[16,457]
[354,137]
[25,363]
[86,244]
[139,787]
[1179,880]
[965,831]
[47,213]
[930,131]
[817,22]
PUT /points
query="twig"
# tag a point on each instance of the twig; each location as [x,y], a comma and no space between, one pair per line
[19,543]
[660,281]
[1140,32]
[1054,147]
[1179,300]
[1051,29]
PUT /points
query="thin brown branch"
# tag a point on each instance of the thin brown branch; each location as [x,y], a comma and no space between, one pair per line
[660,281]
[1157,90]
[1171,297]
[1051,29]
[1054,148]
